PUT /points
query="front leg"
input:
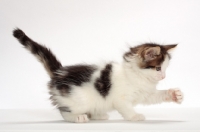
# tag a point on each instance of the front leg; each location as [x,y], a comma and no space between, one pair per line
[124,107]
[159,96]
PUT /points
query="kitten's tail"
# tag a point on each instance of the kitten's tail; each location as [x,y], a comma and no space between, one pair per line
[44,55]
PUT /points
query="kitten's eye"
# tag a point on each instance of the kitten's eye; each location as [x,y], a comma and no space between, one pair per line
[158,68]
[150,67]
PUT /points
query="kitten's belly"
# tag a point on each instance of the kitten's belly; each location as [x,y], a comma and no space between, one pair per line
[85,99]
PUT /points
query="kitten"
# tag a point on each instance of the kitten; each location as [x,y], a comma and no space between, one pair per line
[83,92]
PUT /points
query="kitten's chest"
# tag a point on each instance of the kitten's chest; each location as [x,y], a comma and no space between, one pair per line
[141,94]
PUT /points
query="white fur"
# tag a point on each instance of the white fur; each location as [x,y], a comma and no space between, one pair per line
[130,86]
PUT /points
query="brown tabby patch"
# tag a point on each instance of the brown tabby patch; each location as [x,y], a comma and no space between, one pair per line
[151,54]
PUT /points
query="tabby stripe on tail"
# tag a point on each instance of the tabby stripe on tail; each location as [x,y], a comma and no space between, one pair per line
[44,55]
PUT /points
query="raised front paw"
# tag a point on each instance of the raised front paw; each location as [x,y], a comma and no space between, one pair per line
[176,95]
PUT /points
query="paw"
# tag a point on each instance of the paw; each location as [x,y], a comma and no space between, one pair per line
[175,95]
[137,117]
[81,119]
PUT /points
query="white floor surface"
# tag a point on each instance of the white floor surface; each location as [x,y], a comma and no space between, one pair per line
[157,119]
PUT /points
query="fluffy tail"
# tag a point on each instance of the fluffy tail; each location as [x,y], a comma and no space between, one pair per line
[44,55]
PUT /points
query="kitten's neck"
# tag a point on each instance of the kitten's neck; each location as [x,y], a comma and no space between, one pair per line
[132,70]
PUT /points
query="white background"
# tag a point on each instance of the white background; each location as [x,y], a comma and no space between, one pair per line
[90,31]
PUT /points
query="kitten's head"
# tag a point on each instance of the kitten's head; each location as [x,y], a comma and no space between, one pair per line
[151,59]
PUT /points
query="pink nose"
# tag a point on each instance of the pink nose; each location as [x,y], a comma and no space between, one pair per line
[163,76]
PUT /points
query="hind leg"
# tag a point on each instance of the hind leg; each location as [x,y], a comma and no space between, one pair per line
[76,118]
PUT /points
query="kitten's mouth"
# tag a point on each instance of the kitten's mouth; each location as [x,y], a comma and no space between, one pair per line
[159,78]
[162,78]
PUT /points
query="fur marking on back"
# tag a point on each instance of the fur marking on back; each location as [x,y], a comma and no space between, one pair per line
[103,83]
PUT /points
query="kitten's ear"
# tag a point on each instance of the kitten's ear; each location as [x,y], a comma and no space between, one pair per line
[170,47]
[128,57]
[151,53]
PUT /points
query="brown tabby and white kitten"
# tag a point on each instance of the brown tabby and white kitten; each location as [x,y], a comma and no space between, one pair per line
[83,92]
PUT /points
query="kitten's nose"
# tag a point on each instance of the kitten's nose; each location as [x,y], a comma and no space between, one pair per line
[163,76]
